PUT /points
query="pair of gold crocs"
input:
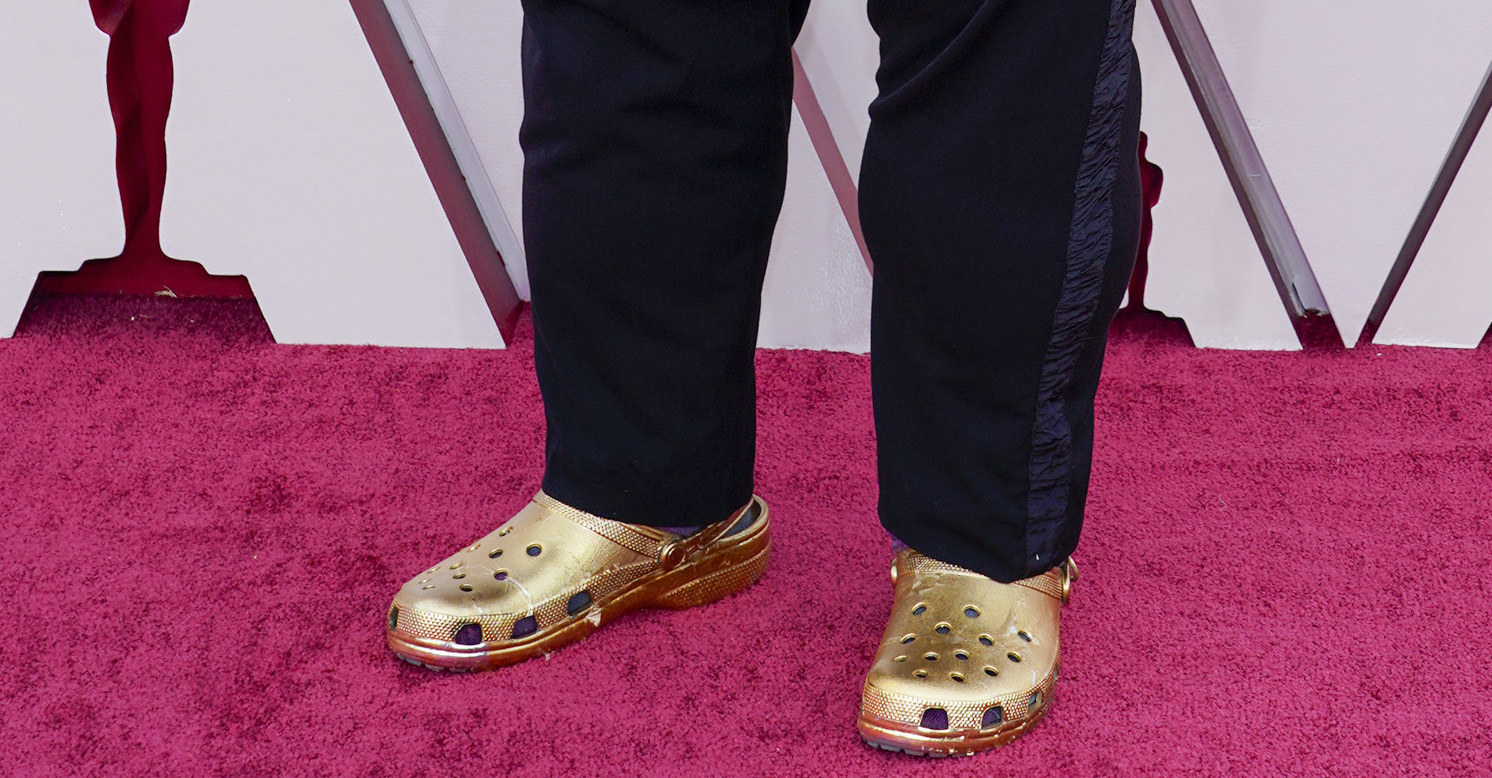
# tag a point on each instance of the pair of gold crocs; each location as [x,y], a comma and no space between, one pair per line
[966,663]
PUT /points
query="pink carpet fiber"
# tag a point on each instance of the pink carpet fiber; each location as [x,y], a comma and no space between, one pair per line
[1287,567]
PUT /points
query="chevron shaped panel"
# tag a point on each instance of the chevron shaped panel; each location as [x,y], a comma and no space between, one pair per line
[1353,106]
[1206,266]
[1446,298]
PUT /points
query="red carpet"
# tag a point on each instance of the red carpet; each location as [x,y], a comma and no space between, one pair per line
[1288,568]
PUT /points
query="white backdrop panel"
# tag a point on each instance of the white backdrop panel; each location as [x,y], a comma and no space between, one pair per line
[476,47]
[1352,135]
[817,292]
[1446,299]
[1205,265]
[290,163]
[1353,106]
[817,289]
[59,204]
[840,53]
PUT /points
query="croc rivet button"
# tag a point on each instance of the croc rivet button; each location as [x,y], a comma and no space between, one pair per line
[671,556]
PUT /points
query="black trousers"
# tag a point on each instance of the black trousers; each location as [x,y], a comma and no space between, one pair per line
[1000,200]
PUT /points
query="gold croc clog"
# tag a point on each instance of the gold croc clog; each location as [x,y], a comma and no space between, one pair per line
[967,663]
[552,574]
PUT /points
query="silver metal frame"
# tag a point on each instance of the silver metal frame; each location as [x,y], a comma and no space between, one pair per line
[447,151]
[1476,117]
[1262,206]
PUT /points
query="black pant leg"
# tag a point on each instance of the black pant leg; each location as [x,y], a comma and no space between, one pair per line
[655,148]
[1001,203]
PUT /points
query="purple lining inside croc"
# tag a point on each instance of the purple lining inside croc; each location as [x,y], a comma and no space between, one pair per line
[935,718]
[745,521]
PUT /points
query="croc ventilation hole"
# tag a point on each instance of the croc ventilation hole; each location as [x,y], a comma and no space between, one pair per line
[578,603]
[1024,635]
[469,635]
[909,638]
[919,610]
[458,576]
[535,550]
[901,658]
[935,718]
[496,552]
[527,625]
[1013,656]
[957,677]
[931,657]
[991,672]
[972,612]
[944,628]
[961,655]
[504,532]
[992,717]
[986,640]
[501,575]
[920,673]
[466,587]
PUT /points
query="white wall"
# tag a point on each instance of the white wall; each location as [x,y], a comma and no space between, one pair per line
[1205,264]
[59,204]
[1324,91]
[1205,267]
[840,53]
[1446,299]
[817,292]
[1353,105]
[289,163]
[476,49]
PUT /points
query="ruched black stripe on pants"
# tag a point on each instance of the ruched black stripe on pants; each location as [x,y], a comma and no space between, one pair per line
[1000,200]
